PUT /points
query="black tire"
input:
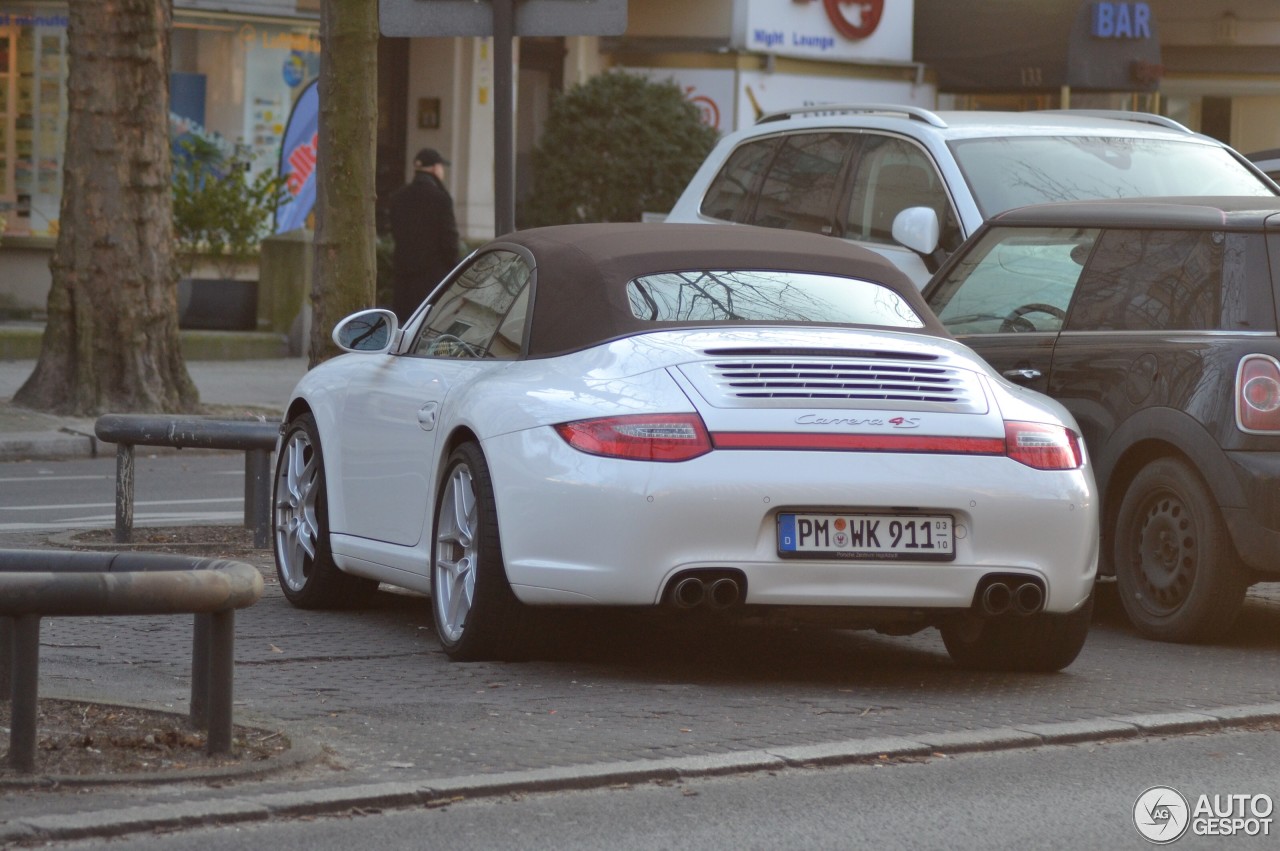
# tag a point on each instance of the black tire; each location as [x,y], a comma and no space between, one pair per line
[1177,570]
[476,614]
[300,517]
[1042,642]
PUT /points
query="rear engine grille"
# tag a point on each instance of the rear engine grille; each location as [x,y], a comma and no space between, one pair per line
[843,381]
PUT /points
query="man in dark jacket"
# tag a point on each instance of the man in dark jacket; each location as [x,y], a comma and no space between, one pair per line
[425,233]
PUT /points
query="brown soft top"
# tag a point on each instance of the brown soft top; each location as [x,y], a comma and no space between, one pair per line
[580,281]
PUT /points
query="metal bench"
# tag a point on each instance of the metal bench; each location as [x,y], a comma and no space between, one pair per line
[35,584]
[257,438]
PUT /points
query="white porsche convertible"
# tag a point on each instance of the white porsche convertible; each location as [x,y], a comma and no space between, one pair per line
[728,421]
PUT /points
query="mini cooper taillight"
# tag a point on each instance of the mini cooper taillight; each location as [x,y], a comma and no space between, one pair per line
[1258,394]
[1042,446]
[640,437]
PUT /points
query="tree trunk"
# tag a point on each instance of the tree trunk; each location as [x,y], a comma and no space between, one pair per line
[345,268]
[111,339]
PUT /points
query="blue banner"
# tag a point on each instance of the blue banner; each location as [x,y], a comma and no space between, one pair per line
[298,160]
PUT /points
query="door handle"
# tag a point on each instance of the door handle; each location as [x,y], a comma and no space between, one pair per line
[427,416]
[1023,374]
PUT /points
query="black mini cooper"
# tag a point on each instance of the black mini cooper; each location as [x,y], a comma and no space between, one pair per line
[1154,321]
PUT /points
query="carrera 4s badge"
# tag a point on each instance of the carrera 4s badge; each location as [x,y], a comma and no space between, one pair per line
[859,422]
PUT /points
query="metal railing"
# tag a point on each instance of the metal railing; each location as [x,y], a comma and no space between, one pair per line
[257,438]
[35,584]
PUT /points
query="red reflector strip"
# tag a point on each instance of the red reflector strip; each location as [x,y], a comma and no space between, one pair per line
[859,442]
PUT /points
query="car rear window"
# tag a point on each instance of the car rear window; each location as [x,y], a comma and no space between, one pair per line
[701,297]
[1007,172]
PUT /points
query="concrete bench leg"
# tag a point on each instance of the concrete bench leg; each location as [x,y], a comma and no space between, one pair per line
[212,677]
[222,637]
[6,657]
[257,495]
[124,493]
[26,693]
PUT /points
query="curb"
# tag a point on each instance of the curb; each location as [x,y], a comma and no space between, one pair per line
[385,796]
[50,445]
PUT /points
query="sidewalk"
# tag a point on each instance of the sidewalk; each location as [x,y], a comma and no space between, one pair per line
[245,386]
[382,719]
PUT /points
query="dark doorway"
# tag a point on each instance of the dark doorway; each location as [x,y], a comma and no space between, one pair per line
[1215,118]
[541,78]
[393,100]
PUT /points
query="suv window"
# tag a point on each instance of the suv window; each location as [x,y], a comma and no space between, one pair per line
[891,175]
[729,196]
[1013,171]
[786,182]
[799,189]
[480,314]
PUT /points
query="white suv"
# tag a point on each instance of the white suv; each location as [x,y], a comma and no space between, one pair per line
[911,184]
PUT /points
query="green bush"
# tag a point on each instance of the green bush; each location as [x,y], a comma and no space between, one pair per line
[614,147]
[219,211]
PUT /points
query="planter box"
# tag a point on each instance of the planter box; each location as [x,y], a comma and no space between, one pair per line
[218,304]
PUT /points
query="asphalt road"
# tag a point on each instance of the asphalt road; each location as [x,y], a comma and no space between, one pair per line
[170,488]
[1071,797]
[372,688]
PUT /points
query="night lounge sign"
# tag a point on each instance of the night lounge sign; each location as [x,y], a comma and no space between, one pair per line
[835,30]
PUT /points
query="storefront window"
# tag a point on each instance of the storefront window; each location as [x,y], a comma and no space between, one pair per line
[33,108]
[234,80]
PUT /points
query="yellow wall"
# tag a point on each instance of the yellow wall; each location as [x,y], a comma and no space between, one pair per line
[680,18]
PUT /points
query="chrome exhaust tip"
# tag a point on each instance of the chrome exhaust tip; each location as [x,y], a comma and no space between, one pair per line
[997,598]
[1028,599]
[724,593]
[688,593]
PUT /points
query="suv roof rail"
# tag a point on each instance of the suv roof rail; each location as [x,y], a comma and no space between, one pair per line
[1125,115]
[915,112]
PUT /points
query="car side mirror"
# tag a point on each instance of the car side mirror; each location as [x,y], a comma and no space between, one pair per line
[366,331]
[918,229]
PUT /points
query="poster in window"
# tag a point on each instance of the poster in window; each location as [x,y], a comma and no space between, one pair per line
[26,47]
[429,113]
[50,92]
[51,54]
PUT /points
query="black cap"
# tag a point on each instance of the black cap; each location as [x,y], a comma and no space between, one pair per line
[428,157]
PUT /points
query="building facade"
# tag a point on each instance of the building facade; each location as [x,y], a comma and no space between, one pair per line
[239,65]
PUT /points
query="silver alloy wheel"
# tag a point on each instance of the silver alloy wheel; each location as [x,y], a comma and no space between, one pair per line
[298,487]
[456,553]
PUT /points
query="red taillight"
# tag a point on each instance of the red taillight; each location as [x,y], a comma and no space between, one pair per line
[1045,447]
[640,437]
[1258,394]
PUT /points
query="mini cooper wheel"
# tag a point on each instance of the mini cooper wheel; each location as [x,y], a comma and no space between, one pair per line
[1042,642]
[1177,571]
[475,612]
[304,563]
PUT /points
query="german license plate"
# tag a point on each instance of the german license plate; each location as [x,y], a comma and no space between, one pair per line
[913,537]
